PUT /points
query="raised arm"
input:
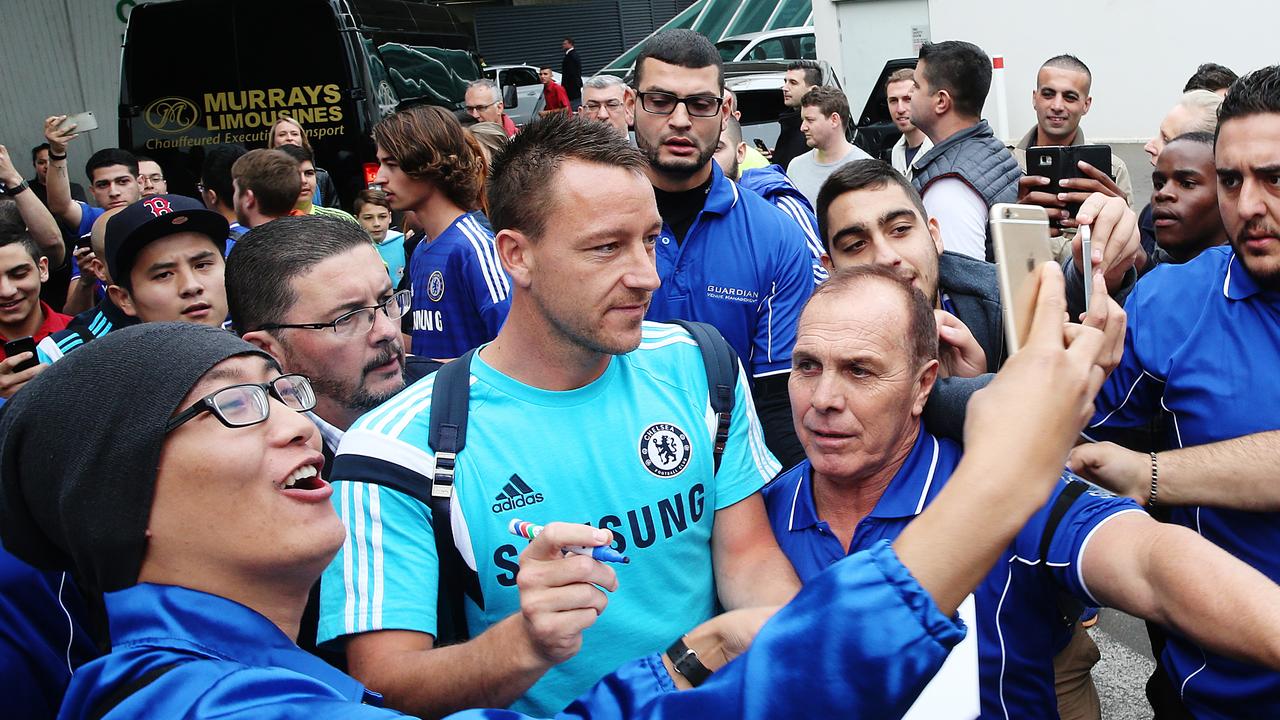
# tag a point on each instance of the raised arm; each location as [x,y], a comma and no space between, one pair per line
[58,181]
[44,230]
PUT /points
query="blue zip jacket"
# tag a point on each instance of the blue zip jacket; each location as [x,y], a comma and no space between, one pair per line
[861,640]
[772,184]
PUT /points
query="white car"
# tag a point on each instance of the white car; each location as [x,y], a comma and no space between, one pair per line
[528,93]
[793,43]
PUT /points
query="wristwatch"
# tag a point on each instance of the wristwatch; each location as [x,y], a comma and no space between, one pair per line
[22,186]
[686,662]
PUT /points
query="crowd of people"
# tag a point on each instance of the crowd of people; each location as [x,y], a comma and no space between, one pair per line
[263,457]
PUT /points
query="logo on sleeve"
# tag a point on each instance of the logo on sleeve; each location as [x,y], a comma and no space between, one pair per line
[664,449]
[435,286]
[515,494]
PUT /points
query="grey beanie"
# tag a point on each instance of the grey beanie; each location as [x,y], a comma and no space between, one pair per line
[80,447]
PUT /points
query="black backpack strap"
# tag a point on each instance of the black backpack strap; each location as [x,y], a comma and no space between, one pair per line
[123,691]
[1068,606]
[721,364]
[450,398]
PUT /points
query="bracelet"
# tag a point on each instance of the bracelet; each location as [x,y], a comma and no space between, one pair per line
[687,663]
[55,156]
[1155,481]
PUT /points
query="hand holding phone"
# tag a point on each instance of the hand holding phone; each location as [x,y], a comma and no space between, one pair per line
[79,123]
[19,346]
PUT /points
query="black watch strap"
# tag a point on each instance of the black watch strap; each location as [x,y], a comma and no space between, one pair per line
[55,156]
[687,663]
[16,189]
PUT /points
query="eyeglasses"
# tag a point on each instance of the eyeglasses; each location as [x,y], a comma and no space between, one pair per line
[153,179]
[357,322]
[610,105]
[478,108]
[199,187]
[661,103]
[248,404]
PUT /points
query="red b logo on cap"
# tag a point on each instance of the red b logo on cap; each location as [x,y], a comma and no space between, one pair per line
[158,206]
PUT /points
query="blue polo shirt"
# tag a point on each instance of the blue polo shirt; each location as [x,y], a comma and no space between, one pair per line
[745,268]
[461,294]
[1201,348]
[1018,622]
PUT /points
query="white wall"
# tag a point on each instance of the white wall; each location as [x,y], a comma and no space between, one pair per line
[60,57]
[858,37]
[1140,59]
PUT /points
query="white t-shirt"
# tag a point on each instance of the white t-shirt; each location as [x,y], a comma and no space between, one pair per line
[961,214]
[807,174]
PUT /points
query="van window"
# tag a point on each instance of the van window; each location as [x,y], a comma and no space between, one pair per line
[429,74]
[520,77]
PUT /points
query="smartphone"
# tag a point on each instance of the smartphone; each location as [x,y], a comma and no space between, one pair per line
[84,122]
[1058,163]
[1086,254]
[1020,237]
[761,146]
[19,346]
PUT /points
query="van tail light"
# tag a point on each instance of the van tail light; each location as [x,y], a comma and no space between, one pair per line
[370,173]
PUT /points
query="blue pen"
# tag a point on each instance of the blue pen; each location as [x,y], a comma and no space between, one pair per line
[604,553]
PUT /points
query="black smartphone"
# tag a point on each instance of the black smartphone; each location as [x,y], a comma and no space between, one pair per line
[761,146]
[1058,163]
[19,346]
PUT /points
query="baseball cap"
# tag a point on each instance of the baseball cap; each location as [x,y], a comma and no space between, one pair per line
[152,218]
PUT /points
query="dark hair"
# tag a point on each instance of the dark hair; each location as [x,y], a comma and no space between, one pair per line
[1204,138]
[273,177]
[1255,93]
[107,157]
[568,40]
[862,175]
[430,145]
[215,172]
[922,332]
[547,67]
[830,100]
[27,242]
[1212,77]
[530,161]
[266,259]
[1068,62]
[812,71]
[960,68]
[297,152]
[36,151]
[682,48]
[371,196]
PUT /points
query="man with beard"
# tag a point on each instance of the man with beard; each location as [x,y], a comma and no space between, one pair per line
[725,257]
[578,411]
[1201,345]
[314,294]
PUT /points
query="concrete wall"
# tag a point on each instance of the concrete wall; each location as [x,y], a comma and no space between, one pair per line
[61,57]
[1140,59]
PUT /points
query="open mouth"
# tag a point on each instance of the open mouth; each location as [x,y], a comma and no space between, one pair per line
[306,477]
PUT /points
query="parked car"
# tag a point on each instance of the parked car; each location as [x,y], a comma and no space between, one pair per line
[758,89]
[793,43]
[522,104]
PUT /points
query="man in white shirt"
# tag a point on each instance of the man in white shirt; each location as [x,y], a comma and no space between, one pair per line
[913,143]
[824,112]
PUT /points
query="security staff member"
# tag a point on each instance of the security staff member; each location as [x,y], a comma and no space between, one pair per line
[726,257]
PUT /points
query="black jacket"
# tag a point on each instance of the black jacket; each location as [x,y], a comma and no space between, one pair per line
[571,74]
[790,140]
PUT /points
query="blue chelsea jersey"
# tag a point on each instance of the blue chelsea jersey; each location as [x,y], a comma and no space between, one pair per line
[744,267]
[631,452]
[461,294]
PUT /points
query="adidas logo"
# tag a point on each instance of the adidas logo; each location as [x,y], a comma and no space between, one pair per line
[515,494]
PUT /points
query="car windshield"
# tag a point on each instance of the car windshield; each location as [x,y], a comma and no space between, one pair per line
[729,49]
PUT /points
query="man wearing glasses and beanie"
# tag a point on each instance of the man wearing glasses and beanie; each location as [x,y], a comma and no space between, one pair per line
[725,257]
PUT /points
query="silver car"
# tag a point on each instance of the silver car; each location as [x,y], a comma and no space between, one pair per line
[528,90]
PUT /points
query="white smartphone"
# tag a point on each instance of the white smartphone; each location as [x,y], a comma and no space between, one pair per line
[1020,238]
[1086,254]
[84,122]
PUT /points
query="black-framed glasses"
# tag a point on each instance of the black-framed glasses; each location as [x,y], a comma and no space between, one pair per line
[248,404]
[357,322]
[662,103]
